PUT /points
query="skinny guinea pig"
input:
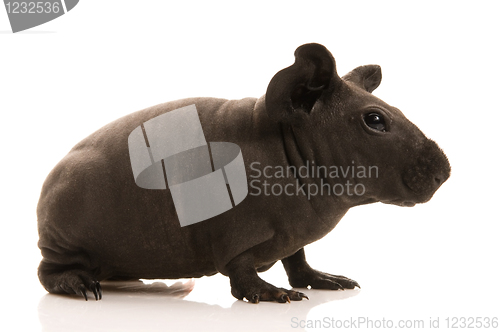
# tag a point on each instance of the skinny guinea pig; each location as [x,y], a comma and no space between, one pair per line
[96,223]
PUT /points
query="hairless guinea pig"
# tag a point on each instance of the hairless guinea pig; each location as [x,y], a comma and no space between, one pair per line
[133,200]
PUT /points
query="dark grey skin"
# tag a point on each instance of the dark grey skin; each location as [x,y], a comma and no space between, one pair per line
[95,223]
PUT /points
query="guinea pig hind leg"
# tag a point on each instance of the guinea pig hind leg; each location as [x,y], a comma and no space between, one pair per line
[73,279]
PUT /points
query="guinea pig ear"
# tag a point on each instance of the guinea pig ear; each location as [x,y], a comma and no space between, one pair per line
[366,77]
[294,90]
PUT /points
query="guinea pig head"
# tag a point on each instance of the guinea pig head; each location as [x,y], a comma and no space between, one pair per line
[338,122]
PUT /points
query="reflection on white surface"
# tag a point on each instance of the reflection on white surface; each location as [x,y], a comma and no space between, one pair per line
[135,306]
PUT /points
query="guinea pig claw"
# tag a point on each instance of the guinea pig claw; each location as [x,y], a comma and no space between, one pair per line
[255,298]
[96,289]
[284,298]
[83,292]
[303,296]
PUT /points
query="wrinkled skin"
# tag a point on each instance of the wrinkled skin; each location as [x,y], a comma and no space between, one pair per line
[95,223]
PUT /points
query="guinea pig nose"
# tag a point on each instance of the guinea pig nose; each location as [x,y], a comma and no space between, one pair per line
[441,177]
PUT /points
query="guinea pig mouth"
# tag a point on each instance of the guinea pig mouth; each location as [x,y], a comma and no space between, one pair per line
[400,202]
[418,192]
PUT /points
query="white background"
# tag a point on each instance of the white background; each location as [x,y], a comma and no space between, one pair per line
[61,81]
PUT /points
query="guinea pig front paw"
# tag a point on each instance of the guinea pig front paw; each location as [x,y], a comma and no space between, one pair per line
[321,280]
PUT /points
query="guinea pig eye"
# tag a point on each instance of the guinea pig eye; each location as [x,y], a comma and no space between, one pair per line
[375,121]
